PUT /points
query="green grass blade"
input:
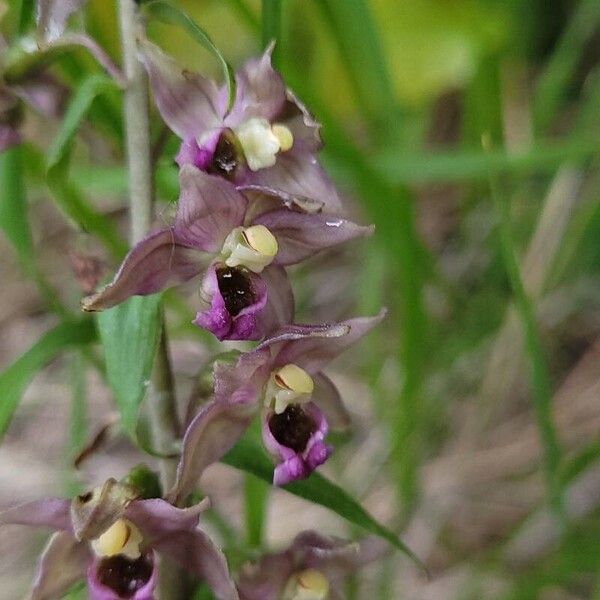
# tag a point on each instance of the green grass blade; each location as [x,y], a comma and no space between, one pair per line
[14,380]
[271,27]
[256,493]
[167,13]
[354,30]
[401,168]
[13,206]
[66,195]
[247,455]
[541,387]
[554,82]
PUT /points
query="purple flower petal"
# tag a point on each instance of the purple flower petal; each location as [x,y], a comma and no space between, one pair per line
[314,349]
[279,310]
[63,562]
[52,16]
[214,431]
[327,397]
[187,102]
[156,518]
[301,236]
[237,299]
[120,578]
[295,439]
[155,263]
[243,381]
[9,136]
[209,208]
[174,532]
[264,199]
[191,153]
[47,512]
[299,174]
[299,120]
[260,91]
[195,552]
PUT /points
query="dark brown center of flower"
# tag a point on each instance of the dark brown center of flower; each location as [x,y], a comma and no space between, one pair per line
[292,428]
[236,289]
[226,156]
[123,575]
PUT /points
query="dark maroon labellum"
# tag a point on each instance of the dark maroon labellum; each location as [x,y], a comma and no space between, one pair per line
[226,156]
[292,428]
[236,289]
[123,575]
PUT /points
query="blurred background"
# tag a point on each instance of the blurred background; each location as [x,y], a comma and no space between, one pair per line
[468,131]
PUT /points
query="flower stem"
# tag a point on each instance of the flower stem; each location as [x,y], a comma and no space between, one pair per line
[161,394]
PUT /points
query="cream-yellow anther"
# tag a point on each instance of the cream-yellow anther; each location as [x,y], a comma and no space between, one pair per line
[287,385]
[284,135]
[292,377]
[307,585]
[253,248]
[122,537]
[259,238]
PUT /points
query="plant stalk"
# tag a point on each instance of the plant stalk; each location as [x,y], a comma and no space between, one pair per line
[161,395]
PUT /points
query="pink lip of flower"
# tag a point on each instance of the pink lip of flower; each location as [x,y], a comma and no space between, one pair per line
[331,558]
[165,529]
[196,110]
[238,392]
[209,209]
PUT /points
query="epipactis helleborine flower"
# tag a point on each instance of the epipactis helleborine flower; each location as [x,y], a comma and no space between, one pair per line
[312,568]
[245,290]
[268,138]
[283,380]
[110,537]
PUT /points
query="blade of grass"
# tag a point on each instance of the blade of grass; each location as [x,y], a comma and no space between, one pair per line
[555,80]
[271,27]
[438,167]
[256,494]
[77,420]
[247,15]
[14,221]
[540,378]
[15,378]
[354,31]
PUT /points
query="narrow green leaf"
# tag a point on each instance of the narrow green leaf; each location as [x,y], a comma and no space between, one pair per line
[256,492]
[129,333]
[247,455]
[66,195]
[13,206]
[541,387]
[14,380]
[554,82]
[356,35]
[167,13]
[271,26]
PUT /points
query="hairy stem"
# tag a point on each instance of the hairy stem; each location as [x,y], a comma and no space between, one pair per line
[161,394]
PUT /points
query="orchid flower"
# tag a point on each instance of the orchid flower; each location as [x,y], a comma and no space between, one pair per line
[312,568]
[111,538]
[245,291]
[268,138]
[281,379]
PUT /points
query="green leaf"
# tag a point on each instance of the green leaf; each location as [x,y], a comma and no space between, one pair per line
[167,13]
[248,455]
[129,333]
[13,206]
[271,26]
[66,195]
[14,380]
